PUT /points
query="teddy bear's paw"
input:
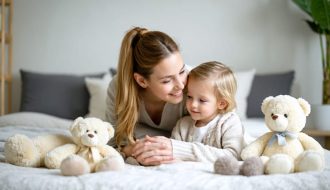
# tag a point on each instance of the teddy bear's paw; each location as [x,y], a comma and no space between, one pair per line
[74,165]
[279,164]
[248,152]
[132,161]
[21,151]
[114,163]
[53,160]
[226,165]
[252,166]
[309,161]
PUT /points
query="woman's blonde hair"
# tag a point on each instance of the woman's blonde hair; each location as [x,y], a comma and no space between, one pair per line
[141,50]
[225,85]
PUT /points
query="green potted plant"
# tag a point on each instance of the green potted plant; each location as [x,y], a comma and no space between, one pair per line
[319,13]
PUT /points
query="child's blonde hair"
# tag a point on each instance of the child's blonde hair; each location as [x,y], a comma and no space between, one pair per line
[225,85]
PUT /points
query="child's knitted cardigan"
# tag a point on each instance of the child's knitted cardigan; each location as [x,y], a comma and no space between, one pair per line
[226,137]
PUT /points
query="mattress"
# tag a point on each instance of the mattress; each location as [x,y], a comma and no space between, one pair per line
[181,175]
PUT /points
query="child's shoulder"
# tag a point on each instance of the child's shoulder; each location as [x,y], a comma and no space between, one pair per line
[231,117]
[186,119]
[184,122]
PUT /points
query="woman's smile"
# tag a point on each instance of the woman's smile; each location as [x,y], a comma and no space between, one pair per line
[177,94]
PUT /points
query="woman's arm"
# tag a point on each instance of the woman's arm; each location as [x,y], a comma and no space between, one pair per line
[158,150]
[110,107]
[227,139]
[111,102]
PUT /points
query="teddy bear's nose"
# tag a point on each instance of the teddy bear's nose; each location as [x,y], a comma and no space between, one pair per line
[90,135]
[274,117]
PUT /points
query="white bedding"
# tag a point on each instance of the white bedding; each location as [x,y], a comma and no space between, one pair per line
[185,175]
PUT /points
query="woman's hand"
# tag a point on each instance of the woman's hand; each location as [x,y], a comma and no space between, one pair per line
[153,150]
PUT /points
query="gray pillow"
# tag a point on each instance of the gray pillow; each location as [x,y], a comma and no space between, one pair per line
[113,71]
[60,95]
[267,85]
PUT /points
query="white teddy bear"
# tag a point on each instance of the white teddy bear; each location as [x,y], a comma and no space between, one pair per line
[86,152]
[23,151]
[90,153]
[286,149]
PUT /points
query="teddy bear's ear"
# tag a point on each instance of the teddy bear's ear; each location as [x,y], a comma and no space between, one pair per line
[265,103]
[111,130]
[76,122]
[305,106]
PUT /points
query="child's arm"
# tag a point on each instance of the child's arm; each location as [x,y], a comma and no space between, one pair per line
[180,130]
[224,140]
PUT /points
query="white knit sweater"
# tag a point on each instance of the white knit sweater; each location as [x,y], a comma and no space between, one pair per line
[226,137]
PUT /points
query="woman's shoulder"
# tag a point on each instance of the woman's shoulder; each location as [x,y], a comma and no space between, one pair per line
[112,86]
[113,82]
[179,109]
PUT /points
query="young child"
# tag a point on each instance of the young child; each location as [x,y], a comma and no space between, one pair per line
[213,129]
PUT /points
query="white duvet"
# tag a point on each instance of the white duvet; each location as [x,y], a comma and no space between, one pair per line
[184,175]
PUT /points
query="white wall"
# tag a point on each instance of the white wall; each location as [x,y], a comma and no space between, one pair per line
[83,36]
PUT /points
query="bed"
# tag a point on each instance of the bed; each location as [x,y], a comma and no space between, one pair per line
[39,119]
[186,175]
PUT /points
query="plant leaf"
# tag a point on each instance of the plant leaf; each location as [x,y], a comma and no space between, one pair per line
[320,11]
[305,5]
[315,27]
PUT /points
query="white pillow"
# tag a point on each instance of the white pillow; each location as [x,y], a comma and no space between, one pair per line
[97,89]
[244,81]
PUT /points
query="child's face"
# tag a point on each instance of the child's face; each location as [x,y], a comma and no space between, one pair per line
[202,102]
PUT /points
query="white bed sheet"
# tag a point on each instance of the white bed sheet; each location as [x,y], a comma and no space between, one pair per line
[184,175]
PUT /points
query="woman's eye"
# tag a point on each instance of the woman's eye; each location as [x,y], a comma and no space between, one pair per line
[182,72]
[166,81]
[201,100]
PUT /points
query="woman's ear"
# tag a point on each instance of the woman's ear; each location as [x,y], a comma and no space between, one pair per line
[140,80]
[222,104]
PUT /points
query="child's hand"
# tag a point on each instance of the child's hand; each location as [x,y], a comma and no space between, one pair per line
[153,150]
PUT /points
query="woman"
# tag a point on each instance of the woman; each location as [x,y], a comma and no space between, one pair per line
[146,96]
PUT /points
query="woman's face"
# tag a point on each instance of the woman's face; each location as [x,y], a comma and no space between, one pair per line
[168,80]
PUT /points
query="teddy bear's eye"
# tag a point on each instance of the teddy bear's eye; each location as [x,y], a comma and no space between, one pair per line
[87,131]
[95,132]
[286,115]
[272,115]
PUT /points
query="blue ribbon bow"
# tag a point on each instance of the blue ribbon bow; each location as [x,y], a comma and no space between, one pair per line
[281,137]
